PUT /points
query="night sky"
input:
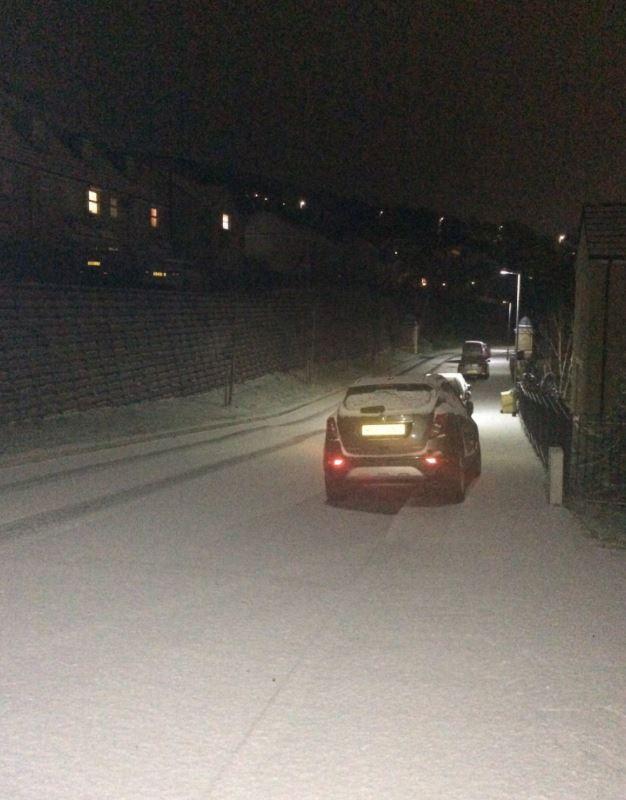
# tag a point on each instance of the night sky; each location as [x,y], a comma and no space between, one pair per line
[494,110]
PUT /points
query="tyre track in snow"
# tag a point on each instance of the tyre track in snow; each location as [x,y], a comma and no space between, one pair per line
[71,512]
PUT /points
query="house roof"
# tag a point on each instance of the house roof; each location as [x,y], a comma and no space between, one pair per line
[605,230]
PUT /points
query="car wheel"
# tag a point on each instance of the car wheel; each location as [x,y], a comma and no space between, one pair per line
[335,490]
[456,484]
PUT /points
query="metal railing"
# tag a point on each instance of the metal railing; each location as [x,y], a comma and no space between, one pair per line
[547,420]
[597,470]
[594,447]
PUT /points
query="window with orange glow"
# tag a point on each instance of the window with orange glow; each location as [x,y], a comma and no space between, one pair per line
[93,201]
[154,217]
[113,207]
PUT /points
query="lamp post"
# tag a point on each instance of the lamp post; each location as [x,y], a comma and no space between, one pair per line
[508,304]
[519,294]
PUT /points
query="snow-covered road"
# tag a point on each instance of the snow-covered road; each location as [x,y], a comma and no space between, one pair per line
[187,618]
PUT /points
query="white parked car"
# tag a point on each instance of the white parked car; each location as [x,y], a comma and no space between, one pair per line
[459,384]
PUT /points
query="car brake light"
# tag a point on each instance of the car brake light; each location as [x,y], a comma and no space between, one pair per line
[338,461]
[431,460]
[331,428]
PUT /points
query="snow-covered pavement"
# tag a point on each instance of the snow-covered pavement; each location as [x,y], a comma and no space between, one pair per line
[185,617]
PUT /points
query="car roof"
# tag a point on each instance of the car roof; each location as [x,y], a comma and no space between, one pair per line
[451,376]
[473,341]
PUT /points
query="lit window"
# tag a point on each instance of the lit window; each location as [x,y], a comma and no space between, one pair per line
[154,217]
[302,203]
[94,263]
[226,222]
[113,207]
[93,201]
[423,282]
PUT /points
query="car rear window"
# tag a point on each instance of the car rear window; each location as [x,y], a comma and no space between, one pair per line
[393,397]
[473,349]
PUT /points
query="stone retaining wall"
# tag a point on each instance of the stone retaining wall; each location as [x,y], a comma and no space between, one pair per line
[74,348]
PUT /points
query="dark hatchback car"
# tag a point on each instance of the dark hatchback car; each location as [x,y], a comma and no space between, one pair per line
[401,431]
[475,356]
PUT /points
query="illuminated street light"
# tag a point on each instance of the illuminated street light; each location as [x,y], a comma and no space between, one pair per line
[519,293]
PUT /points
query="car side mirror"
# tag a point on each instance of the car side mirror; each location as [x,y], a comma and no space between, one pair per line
[470,407]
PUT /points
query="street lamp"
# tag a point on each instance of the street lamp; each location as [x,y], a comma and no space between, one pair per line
[519,293]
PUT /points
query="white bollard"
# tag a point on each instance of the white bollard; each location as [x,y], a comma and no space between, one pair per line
[555,471]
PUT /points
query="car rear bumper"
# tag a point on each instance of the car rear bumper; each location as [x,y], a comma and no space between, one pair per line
[405,470]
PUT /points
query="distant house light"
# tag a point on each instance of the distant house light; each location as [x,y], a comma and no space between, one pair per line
[473,283]
[113,207]
[444,284]
[93,263]
[93,201]
[381,212]
[266,198]
[159,274]
[256,194]
[154,217]
[302,203]
[225,222]
[562,238]
[423,281]
[395,252]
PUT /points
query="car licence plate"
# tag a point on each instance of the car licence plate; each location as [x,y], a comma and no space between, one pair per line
[384,429]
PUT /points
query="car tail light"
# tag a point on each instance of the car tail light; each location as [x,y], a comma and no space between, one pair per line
[337,461]
[432,460]
[331,428]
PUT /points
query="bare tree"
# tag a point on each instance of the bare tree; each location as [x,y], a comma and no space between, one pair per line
[555,347]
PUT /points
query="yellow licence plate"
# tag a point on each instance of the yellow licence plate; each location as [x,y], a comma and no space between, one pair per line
[384,429]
